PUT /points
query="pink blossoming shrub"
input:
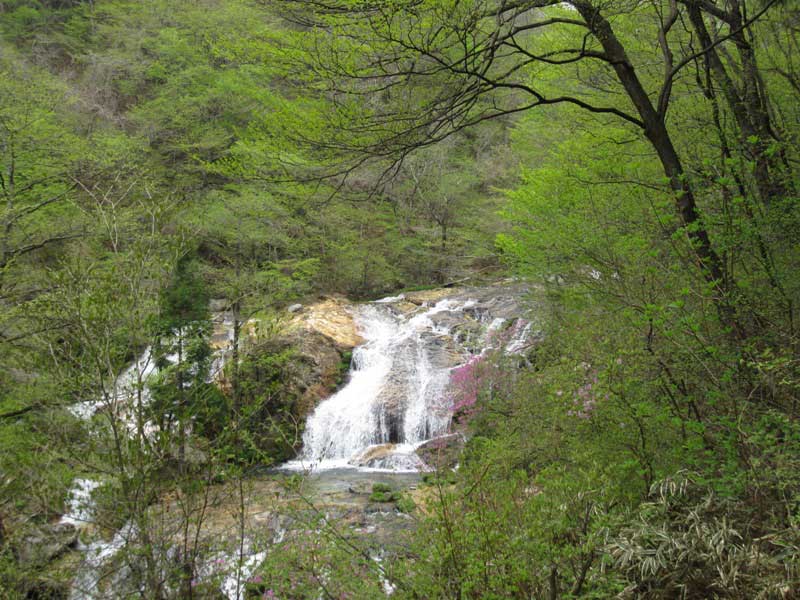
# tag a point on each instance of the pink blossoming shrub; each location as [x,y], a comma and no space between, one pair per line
[465,385]
[477,381]
[584,400]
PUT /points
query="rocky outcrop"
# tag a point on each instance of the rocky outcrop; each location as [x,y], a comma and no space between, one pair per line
[319,338]
[322,366]
[331,317]
[46,543]
[324,335]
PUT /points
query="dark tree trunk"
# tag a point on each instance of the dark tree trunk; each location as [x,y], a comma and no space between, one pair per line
[234,369]
[656,132]
[748,106]
[553,591]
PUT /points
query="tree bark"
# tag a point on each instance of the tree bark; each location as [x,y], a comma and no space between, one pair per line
[237,325]
[748,106]
[656,132]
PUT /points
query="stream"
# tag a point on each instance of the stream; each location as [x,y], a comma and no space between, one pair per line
[395,399]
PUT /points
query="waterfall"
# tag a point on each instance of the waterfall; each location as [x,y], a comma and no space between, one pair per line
[122,399]
[122,394]
[395,397]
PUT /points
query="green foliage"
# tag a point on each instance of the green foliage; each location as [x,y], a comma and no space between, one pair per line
[406,504]
[381,497]
[381,488]
[185,300]
[439,478]
[269,386]
[299,567]
[382,492]
[688,541]
[154,154]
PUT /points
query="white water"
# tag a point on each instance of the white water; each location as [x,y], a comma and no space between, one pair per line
[396,395]
[396,392]
[122,400]
[97,556]
[122,396]
[124,387]
[80,506]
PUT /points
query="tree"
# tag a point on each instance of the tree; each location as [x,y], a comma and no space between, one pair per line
[441,66]
[184,330]
[38,158]
[249,259]
[441,189]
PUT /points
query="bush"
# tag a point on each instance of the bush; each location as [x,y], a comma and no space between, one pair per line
[689,542]
[382,492]
[405,504]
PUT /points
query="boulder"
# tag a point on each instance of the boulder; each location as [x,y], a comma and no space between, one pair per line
[442,452]
[372,455]
[46,543]
[388,456]
[360,488]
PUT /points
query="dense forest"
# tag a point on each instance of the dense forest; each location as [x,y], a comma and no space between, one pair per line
[635,165]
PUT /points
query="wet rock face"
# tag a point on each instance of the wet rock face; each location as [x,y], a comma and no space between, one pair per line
[322,336]
[332,317]
[399,388]
[322,363]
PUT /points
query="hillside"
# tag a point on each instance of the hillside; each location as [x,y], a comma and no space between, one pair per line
[519,279]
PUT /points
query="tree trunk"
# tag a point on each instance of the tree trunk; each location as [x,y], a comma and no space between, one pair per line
[237,325]
[553,591]
[656,132]
[181,404]
[748,107]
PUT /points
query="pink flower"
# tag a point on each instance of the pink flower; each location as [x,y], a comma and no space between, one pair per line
[465,384]
[585,399]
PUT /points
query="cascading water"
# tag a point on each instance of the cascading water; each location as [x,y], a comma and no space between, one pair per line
[123,391]
[395,398]
[122,399]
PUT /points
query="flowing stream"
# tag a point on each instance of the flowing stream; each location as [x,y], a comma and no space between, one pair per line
[122,400]
[395,400]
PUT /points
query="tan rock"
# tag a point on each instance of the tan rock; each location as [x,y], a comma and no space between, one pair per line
[431,296]
[373,453]
[404,307]
[333,318]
